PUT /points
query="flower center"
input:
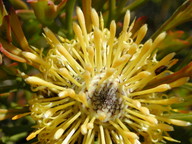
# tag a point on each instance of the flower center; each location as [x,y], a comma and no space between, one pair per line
[105,98]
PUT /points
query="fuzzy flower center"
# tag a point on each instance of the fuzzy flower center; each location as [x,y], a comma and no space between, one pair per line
[105,99]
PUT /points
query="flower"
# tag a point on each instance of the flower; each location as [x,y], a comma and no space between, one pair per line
[100,87]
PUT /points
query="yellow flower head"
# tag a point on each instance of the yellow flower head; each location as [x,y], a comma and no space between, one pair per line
[100,87]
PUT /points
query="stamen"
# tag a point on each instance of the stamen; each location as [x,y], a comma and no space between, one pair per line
[121,60]
[82,98]
[42,100]
[179,122]
[133,66]
[84,126]
[58,133]
[138,121]
[69,135]
[87,78]
[122,125]
[33,134]
[110,42]
[171,139]
[102,134]
[136,103]
[132,124]
[179,82]
[164,61]
[101,22]
[123,37]
[33,57]
[108,137]
[115,137]
[91,139]
[170,101]
[119,129]
[54,73]
[91,56]
[164,127]
[97,42]
[81,20]
[60,107]
[158,39]
[75,136]
[108,73]
[144,110]
[77,54]
[128,134]
[63,50]
[95,18]
[89,68]
[137,77]
[174,121]
[131,135]
[160,88]
[150,119]
[67,92]
[20,116]
[141,34]
[79,35]
[88,138]
[65,125]
[38,81]
[126,21]
[65,73]
[90,125]
[132,49]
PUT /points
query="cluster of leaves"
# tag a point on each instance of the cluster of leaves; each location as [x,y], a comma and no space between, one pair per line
[58,15]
